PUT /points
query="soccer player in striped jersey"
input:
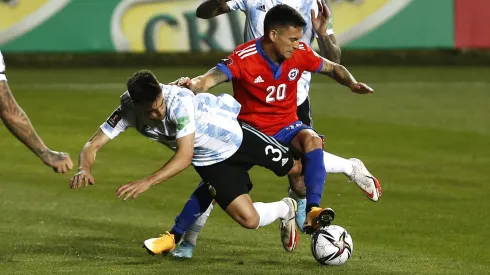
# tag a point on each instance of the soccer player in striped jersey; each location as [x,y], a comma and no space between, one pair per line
[20,126]
[202,130]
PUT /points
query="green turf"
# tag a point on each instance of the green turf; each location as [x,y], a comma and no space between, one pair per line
[425,134]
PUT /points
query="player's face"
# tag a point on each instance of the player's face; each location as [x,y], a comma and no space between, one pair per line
[156,110]
[287,41]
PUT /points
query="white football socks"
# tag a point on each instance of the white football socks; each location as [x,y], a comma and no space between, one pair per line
[193,231]
[269,212]
[335,164]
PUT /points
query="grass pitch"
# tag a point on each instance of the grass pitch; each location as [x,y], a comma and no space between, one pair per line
[425,134]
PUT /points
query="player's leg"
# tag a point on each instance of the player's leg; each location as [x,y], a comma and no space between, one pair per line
[233,197]
[265,151]
[311,144]
[353,168]
[185,248]
[254,215]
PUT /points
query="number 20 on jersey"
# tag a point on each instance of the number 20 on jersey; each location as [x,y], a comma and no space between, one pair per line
[276,93]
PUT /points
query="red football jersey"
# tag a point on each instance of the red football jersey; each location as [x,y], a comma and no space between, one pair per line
[266,91]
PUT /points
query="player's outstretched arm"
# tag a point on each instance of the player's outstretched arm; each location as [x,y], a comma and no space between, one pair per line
[87,158]
[340,74]
[202,83]
[212,8]
[180,161]
[20,126]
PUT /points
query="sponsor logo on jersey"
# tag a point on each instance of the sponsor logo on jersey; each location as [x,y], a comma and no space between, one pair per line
[259,79]
[293,74]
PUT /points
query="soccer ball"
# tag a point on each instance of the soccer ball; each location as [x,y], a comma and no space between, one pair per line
[331,245]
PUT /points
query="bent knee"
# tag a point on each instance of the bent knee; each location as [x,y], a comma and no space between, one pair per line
[313,142]
[250,221]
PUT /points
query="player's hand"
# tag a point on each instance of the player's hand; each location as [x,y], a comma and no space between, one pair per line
[182,82]
[80,179]
[133,189]
[321,20]
[361,88]
[59,161]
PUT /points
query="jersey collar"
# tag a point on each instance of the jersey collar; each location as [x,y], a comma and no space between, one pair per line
[276,69]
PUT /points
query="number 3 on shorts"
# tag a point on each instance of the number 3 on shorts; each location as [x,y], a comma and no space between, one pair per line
[273,151]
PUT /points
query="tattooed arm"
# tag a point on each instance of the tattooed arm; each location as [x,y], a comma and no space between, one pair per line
[202,83]
[340,74]
[19,124]
[329,48]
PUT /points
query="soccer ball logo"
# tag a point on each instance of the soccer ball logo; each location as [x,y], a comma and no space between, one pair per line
[332,245]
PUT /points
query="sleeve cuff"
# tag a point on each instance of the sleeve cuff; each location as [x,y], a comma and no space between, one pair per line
[3,77]
[320,68]
[107,129]
[222,67]
[185,133]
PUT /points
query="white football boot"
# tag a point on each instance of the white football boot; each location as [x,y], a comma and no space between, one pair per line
[367,182]
[289,231]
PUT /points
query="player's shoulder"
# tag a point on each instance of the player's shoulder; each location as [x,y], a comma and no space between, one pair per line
[249,3]
[245,52]
[304,46]
[252,44]
[177,98]
[126,99]
[303,52]
[175,92]
[303,49]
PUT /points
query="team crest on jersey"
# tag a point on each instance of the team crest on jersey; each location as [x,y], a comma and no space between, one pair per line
[293,74]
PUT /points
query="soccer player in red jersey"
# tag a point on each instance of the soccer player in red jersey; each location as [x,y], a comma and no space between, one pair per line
[264,73]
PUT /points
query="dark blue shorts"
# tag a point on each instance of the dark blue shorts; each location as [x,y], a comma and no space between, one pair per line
[289,132]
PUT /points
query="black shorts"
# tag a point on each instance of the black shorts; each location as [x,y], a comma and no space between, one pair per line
[229,179]
[304,112]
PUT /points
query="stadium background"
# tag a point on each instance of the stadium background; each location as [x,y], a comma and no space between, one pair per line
[424,134]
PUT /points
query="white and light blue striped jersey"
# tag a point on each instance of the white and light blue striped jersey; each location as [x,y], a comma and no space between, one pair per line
[213,120]
[2,68]
[255,11]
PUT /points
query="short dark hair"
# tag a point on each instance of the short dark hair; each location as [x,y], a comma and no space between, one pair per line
[143,87]
[282,16]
